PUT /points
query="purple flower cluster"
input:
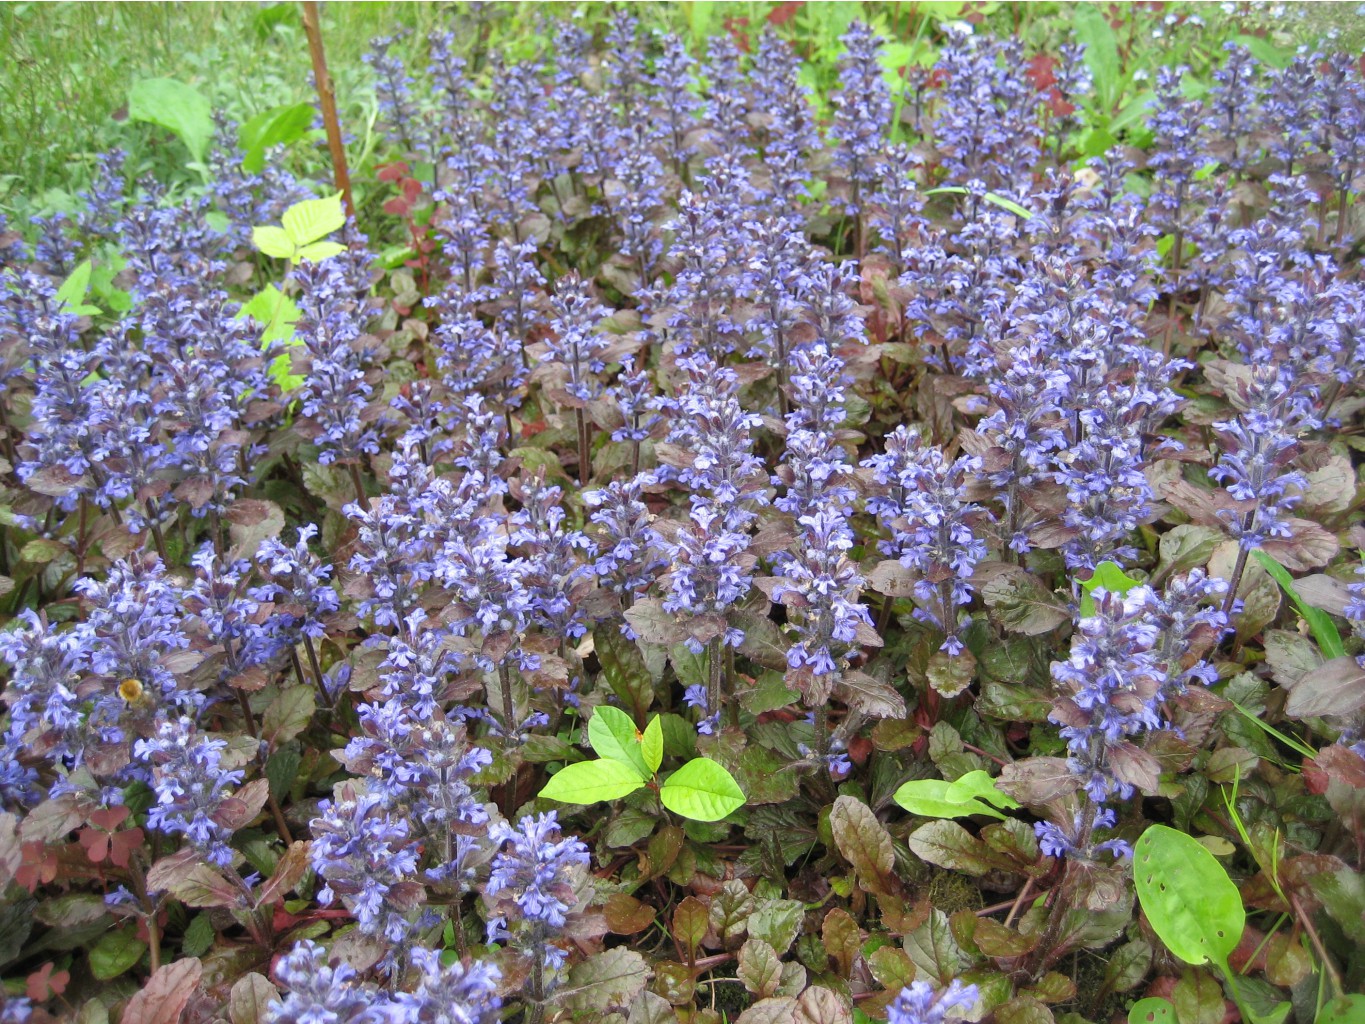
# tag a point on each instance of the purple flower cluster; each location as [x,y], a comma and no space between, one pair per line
[190,783]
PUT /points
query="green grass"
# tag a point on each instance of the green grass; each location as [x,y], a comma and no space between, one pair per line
[68,67]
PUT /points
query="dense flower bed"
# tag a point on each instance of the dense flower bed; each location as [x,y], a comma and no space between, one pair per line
[833,453]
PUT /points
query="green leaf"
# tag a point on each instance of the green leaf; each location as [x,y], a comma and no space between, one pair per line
[1324,629]
[276,312]
[1343,1010]
[702,790]
[273,241]
[274,127]
[991,197]
[1191,903]
[929,798]
[319,251]
[612,734]
[176,106]
[589,782]
[199,936]
[980,785]
[115,953]
[970,794]
[1101,52]
[1106,576]
[73,289]
[313,219]
[652,744]
[288,715]
[1153,1010]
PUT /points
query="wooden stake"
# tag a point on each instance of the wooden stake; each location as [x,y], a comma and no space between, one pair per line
[328,101]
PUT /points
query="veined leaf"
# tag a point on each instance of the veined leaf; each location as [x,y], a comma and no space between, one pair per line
[273,241]
[590,782]
[176,106]
[612,734]
[313,219]
[702,790]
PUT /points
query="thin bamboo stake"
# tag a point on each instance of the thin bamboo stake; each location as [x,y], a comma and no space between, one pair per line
[328,100]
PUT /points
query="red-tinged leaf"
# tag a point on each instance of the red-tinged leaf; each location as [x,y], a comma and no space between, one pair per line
[394,171]
[784,12]
[238,811]
[39,866]
[1037,781]
[191,881]
[1311,546]
[1337,688]
[251,995]
[123,844]
[864,842]
[95,843]
[163,999]
[109,818]
[396,207]
[1041,71]
[290,868]
[45,983]
[1334,763]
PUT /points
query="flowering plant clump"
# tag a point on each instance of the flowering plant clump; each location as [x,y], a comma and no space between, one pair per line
[774,527]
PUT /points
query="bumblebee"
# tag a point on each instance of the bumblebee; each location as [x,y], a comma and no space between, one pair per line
[134,694]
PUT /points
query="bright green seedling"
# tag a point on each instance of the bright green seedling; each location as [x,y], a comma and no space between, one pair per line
[1191,903]
[1152,1010]
[277,311]
[73,290]
[1324,629]
[1109,577]
[300,236]
[973,793]
[629,760]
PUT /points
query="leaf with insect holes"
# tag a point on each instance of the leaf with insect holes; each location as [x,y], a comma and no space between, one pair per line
[590,782]
[702,790]
[1191,903]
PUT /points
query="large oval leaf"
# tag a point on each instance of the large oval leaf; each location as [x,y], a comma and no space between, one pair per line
[1192,904]
[589,782]
[702,790]
[176,106]
[613,735]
